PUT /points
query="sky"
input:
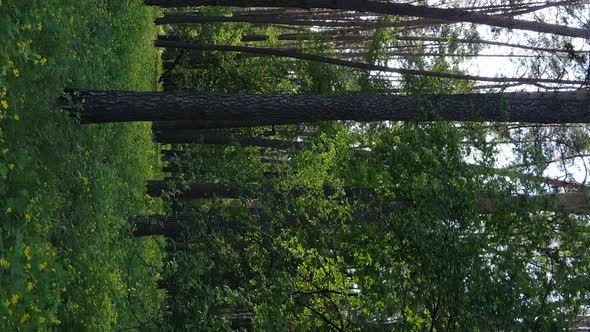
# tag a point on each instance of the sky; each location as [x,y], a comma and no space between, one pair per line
[509,67]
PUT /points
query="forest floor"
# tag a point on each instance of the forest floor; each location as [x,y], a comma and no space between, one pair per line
[67,257]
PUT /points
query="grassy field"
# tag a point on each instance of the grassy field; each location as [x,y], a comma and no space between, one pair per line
[67,258]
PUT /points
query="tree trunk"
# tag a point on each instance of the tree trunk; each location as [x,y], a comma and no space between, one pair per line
[514,9]
[487,42]
[241,318]
[267,11]
[391,8]
[202,124]
[274,160]
[272,175]
[274,109]
[336,36]
[183,18]
[156,188]
[171,226]
[175,246]
[168,155]
[347,63]
[363,55]
[169,286]
[309,36]
[569,202]
[196,137]
[212,190]
[156,225]
[173,168]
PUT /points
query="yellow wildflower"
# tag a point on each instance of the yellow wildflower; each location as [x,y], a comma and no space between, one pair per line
[11,166]
[14,298]
[16,72]
[30,286]
[4,104]
[16,117]
[28,266]
[4,263]
[43,265]
[41,320]
[8,210]
[43,61]
[25,318]
[27,252]
[4,92]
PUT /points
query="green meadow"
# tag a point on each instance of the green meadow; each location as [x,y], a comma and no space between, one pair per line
[67,257]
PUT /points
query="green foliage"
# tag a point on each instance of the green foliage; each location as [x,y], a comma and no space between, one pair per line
[66,191]
[425,250]
[392,226]
[227,72]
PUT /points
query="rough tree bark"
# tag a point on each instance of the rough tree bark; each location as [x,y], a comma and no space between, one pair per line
[391,8]
[201,124]
[275,109]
